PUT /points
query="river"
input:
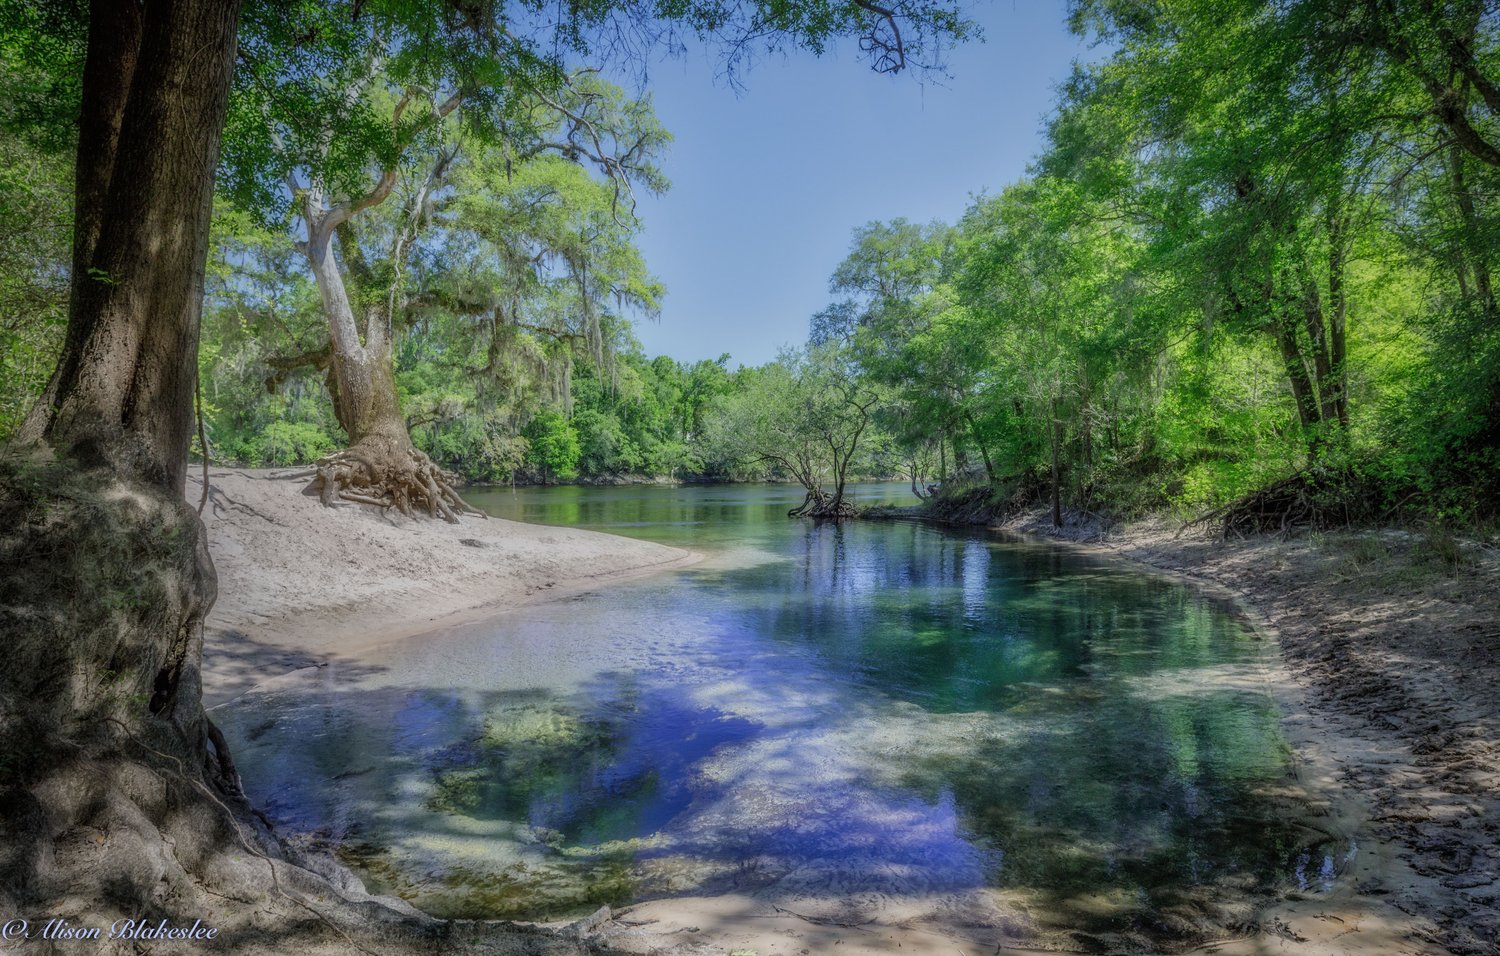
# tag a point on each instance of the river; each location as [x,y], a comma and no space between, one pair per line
[868,718]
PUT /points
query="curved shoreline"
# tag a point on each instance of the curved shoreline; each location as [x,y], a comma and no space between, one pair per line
[1383,724]
[1379,904]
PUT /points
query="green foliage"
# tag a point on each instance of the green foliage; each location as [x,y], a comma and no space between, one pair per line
[326,92]
[475,448]
[337,106]
[492,348]
[1322,240]
[261,310]
[36,223]
[290,443]
[806,417]
[605,448]
[42,46]
[554,450]
[1215,278]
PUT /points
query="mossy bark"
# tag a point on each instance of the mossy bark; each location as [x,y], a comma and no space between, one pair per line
[105,577]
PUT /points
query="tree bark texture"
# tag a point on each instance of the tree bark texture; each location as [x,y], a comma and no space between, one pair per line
[122,392]
[105,576]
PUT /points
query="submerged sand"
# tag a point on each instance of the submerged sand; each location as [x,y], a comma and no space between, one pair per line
[1387,650]
[1390,647]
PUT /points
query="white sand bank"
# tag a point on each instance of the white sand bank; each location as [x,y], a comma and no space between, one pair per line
[300,583]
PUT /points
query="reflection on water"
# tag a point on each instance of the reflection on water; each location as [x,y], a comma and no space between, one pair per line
[622,769]
[1013,735]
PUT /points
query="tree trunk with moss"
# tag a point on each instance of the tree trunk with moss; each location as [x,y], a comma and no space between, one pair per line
[117,414]
[106,576]
[118,797]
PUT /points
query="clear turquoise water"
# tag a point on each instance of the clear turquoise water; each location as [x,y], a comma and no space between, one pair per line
[868,712]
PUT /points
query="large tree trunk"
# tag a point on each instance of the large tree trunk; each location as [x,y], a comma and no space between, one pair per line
[120,403]
[118,798]
[104,570]
[144,194]
[381,466]
[363,383]
[113,48]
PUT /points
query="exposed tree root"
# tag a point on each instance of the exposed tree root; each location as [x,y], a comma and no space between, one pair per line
[389,477]
[823,507]
[119,797]
[813,500]
[834,510]
[1308,499]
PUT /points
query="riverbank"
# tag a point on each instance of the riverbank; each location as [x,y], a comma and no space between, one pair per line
[1386,900]
[1393,640]
[301,584]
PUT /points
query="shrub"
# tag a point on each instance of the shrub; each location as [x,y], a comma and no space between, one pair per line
[293,443]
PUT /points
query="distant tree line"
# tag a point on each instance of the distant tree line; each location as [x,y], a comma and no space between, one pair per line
[1255,256]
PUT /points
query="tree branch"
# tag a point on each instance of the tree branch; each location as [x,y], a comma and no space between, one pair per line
[890,57]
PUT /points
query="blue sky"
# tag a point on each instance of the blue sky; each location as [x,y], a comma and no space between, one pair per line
[769,182]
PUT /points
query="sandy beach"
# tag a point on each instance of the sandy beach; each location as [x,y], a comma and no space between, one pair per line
[300,584]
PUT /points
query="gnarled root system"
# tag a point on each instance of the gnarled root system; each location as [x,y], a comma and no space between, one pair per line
[1308,499]
[822,507]
[402,478]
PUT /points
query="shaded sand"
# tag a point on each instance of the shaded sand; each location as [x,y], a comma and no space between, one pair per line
[300,584]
